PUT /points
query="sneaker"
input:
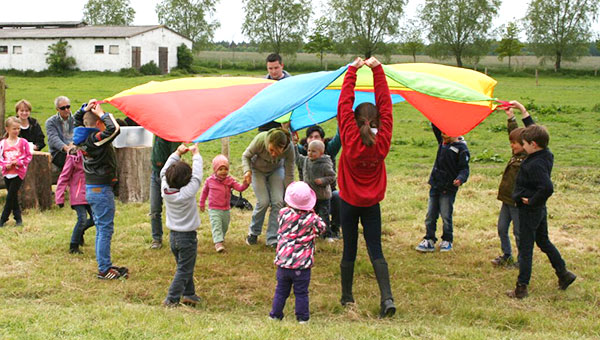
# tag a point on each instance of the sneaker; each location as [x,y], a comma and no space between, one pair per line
[190,300]
[503,260]
[302,322]
[330,239]
[272,246]
[219,247]
[123,271]
[519,292]
[74,249]
[426,246]
[445,246]
[170,304]
[251,239]
[156,244]
[110,274]
[19,224]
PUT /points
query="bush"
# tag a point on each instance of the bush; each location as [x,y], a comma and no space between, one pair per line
[177,72]
[129,72]
[184,58]
[57,59]
[150,69]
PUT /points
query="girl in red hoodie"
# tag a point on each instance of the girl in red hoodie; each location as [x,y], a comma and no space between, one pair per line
[366,135]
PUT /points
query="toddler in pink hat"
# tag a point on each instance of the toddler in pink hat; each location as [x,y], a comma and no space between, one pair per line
[299,225]
[217,189]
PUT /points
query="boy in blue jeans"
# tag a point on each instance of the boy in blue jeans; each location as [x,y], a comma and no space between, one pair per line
[179,185]
[450,171]
[95,130]
[532,190]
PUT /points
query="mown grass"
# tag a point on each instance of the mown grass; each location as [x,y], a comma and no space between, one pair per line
[47,293]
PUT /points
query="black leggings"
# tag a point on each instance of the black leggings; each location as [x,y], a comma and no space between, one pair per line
[12,199]
[370,218]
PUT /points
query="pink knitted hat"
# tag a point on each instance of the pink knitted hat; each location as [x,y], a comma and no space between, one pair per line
[300,196]
[219,161]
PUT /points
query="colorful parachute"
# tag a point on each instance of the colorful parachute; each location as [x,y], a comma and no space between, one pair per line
[205,108]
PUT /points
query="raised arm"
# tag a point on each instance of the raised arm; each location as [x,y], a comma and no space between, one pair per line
[384,106]
[346,102]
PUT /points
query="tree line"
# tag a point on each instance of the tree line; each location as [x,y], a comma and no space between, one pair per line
[558,30]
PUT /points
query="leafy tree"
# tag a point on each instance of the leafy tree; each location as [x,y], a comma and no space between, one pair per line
[320,41]
[509,45]
[190,18]
[412,40]
[364,26]
[459,28]
[108,12]
[560,29]
[278,26]
[57,58]
[185,58]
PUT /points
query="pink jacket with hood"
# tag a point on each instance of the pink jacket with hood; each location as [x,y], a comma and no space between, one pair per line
[72,176]
[23,159]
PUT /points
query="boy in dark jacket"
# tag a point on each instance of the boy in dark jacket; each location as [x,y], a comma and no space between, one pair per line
[532,190]
[95,130]
[509,211]
[450,171]
[318,172]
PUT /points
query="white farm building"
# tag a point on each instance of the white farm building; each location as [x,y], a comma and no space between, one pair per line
[23,46]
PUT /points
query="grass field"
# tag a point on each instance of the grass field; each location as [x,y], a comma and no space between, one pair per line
[47,293]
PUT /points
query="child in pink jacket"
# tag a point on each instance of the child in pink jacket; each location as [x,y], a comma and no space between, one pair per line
[15,155]
[218,190]
[73,177]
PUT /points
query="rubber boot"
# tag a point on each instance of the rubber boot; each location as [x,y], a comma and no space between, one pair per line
[388,308]
[347,273]
[520,292]
[17,216]
[565,278]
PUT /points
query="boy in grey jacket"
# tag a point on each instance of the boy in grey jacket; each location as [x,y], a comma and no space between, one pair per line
[318,172]
[179,185]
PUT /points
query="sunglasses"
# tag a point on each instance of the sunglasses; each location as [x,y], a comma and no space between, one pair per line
[64,107]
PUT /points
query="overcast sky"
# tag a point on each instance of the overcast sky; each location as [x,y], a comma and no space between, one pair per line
[229,13]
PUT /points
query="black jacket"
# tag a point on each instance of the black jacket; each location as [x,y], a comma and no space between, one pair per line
[99,161]
[34,134]
[533,180]
[451,162]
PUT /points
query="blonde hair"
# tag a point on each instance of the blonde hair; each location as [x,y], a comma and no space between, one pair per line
[22,102]
[8,123]
[278,138]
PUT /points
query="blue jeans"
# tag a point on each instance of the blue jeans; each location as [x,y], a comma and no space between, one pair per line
[184,246]
[440,203]
[286,279]
[102,201]
[508,213]
[156,204]
[534,228]
[370,217]
[268,188]
[322,208]
[83,222]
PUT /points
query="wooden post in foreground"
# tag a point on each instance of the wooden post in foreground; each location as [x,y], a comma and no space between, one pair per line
[36,192]
[2,104]
[133,172]
[225,146]
[536,78]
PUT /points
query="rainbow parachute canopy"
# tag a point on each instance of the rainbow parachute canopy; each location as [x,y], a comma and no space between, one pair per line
[204,108]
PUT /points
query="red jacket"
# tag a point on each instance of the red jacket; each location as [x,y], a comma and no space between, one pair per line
[361,174]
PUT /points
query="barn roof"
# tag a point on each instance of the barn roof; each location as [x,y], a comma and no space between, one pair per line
[77,32]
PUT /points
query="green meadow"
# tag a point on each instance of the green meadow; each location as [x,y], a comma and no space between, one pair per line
[46,293]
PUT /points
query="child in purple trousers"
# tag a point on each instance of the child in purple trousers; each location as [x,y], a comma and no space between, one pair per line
[299,225]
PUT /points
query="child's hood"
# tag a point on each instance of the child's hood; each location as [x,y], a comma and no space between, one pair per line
[80,134]
[322,160]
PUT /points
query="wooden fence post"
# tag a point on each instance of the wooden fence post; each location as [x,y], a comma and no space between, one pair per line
[2,104]
[225,146]
[36,192]
[536,77]
[133,172]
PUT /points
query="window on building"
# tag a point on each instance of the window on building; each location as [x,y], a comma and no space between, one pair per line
[3,49]
[113,49]
[17,50]
[99,49]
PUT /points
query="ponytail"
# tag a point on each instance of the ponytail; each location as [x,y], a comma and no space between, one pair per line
[367,116]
